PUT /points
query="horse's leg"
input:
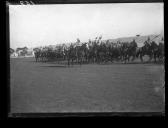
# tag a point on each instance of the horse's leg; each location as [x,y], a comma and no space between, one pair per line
[68,62]
[141,57]
[111,59]
[87,59]
[72,62]
[150,58]
[128,58]
[133,58]
[83,59]
[155,58]
[58,61]
[125,59]
[80,61]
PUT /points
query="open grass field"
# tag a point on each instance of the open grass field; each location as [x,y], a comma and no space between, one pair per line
[48,87]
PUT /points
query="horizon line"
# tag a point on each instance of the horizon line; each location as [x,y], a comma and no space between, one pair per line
[94,39]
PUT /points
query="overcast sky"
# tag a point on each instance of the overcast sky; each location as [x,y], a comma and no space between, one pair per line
[40,25]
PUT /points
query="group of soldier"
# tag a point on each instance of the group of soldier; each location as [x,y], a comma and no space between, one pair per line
[98,51]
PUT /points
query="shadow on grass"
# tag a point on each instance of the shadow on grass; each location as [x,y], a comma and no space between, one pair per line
[56,66]
[105,63]
[61,66]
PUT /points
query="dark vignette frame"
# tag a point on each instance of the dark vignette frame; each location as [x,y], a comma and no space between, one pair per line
[70,114]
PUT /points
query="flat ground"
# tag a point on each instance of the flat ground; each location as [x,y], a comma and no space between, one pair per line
[48,87]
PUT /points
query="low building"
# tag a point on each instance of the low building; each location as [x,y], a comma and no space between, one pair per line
[14,55]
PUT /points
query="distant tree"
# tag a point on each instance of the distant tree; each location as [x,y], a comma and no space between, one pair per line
[11,51]
[18,49]
[25,48]
[35,49]
[23,51]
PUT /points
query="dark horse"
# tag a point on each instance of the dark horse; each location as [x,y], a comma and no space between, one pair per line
[37,55]
[70,54]
[151,49]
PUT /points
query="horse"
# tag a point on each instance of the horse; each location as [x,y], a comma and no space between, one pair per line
[71,54]
[160,52]
[130,50]
[151,49]
[37,54]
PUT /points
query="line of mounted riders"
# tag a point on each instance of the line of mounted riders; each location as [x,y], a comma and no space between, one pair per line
[98,51]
